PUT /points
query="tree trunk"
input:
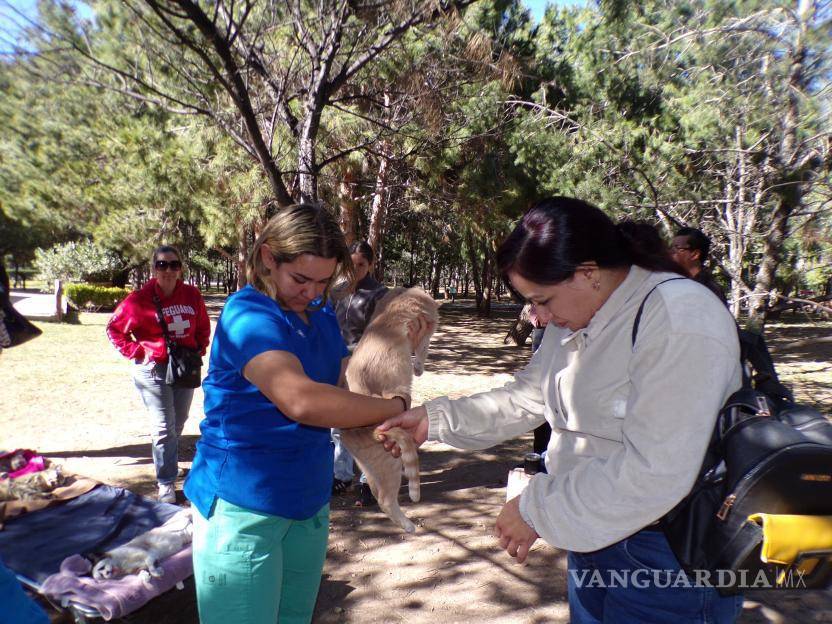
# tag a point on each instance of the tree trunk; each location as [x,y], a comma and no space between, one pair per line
[348,202]
[412,276]
[484,306]
[237,89]
[120,278]
[378,206]
[791,176]
[307,176]
[437,275]
[307,164]
[768,266]
[738,219]
[475,271]
[245,233]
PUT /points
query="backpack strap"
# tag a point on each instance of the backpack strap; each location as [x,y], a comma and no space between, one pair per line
[643,301]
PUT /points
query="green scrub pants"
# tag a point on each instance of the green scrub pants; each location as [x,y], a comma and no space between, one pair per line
[255,568]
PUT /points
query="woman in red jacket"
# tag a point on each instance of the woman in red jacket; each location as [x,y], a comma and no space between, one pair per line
[135,331]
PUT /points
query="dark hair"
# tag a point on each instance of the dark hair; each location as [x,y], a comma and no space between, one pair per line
[696,240]
[558,234]
[648,237]
[363,247]
[164,249]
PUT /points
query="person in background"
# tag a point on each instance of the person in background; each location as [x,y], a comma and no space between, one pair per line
[354,309]
[630,421]
[262,476]
[538,327]
[135,331]
[543,432]
[690,248]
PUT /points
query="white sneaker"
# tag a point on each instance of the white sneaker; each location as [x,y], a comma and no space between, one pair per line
[167,493]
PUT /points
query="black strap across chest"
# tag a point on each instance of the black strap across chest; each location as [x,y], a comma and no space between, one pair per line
[643,301]
[161,318]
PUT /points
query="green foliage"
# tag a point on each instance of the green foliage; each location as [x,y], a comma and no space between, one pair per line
[675,112]
[77,261]
[84,162]
[818,278]
[94,298]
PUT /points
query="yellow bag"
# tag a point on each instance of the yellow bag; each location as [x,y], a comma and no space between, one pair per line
[790,539]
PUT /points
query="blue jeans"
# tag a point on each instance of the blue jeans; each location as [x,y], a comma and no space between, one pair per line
[637,581]
[168,409]
[537,337]
[343,459]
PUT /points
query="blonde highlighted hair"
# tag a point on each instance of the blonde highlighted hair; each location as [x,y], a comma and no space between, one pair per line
[294,231]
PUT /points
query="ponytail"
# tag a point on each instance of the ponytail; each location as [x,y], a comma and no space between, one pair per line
[645,247]
[558,234]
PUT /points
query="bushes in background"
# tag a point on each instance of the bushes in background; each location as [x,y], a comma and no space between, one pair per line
[93,297]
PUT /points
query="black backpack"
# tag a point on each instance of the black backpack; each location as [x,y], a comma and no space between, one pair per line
[767,454]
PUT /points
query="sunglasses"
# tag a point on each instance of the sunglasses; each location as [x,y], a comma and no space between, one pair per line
[164,265]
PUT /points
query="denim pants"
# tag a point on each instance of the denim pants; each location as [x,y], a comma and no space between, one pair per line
[343,459]
[168,409]
[537,337]
[639,581]
[256,568]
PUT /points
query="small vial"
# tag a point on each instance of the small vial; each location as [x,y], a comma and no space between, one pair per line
[531,463]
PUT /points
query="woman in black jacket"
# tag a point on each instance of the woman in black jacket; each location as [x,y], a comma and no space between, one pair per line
[354,311]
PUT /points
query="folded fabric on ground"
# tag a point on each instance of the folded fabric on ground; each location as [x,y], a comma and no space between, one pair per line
[113,598]
[35,544]
[73,487]
[34,462]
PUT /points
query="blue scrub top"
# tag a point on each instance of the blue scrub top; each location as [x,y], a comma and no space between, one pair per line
[17,607]
[250,454]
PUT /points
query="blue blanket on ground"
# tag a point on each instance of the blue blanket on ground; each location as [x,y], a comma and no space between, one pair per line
[34,545]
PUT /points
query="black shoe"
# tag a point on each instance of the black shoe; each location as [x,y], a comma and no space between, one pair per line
[339,487]
[365,496]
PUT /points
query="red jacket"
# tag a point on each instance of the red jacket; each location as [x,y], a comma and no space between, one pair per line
[135,332]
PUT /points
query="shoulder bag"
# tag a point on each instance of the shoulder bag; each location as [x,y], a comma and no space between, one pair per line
[184,364]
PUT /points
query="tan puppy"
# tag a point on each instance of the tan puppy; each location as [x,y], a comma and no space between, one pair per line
[382,366]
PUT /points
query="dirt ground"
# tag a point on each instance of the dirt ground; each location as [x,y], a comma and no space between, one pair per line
[68,394]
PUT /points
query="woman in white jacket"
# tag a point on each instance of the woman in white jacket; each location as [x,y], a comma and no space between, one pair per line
[630,422]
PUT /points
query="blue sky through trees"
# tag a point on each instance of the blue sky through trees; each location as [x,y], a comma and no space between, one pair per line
[14,14]
[538,7]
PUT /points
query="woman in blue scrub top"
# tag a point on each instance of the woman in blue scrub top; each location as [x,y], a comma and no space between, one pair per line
[262,475]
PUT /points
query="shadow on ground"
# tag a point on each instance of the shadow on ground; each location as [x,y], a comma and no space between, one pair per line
[451,569]
[802,353]
[464,342]
[187,448]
